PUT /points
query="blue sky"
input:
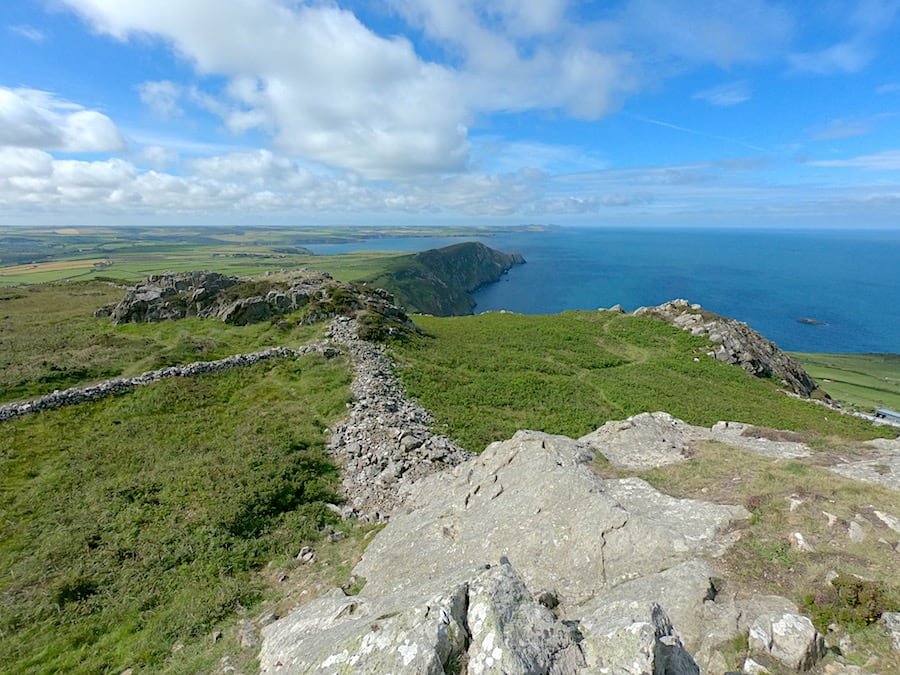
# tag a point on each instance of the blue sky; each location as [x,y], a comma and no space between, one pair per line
[631,112]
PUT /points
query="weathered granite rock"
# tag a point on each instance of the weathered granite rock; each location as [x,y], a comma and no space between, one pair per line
[633,637]
[883,468]
[650,440]
[610,552]
[489,622]
[241,301]
[891,622]
[643,441]
[790,639]
[736,343]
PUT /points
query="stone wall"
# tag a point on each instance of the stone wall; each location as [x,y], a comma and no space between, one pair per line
[121,385]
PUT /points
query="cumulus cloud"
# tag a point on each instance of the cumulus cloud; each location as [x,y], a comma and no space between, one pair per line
[725,94]
[158,156]
[331,90]
[250,182]
[38,119]
[328,87]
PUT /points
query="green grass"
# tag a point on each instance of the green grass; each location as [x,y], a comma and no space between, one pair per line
[864,381]
[136,523]
[486,376]
[49,339]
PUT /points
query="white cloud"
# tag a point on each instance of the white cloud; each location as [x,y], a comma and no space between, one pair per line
[890,88]
[328,87]
[888,160]
[725,94]
[161,97]
[258,164]
[37,119]
[158,156]
[24,162]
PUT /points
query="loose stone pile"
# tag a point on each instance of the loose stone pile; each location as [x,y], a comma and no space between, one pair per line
[386,444]
[121,385]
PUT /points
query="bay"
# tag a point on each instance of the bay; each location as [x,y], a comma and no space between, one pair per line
[846,281]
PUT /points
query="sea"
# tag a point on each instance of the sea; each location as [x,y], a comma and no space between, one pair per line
[808,290]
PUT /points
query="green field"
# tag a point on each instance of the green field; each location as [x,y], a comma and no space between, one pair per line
[31,256]
[486,376]
[49,339]
[864,381]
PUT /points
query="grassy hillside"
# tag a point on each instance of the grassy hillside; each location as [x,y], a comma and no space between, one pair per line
[864,381]
[486,376]
[49,339]
[138,523]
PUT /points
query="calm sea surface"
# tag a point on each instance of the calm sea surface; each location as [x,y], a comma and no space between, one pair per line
[848,280]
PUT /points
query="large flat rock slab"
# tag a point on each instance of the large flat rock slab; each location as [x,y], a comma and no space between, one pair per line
[564,539]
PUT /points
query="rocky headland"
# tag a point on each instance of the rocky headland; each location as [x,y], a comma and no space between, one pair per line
[736,343]
[441,281]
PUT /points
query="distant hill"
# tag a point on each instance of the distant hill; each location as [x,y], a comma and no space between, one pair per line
[440,281]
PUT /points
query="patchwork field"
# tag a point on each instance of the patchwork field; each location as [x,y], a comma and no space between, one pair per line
[865,381]
[36,256]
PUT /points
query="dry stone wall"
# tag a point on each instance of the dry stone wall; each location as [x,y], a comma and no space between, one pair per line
[385,444]
[122,385]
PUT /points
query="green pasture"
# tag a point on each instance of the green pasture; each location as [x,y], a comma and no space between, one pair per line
[864,381]
[488,375]
[49,339]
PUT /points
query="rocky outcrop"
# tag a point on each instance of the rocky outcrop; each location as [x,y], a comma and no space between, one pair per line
[241,301]
[440,281]
[882,466]
[736,343]
[788,638]
[523,560]
[650,440]
[385,444]
[122,385]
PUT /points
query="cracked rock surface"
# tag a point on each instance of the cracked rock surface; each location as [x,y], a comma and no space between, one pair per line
[611,552]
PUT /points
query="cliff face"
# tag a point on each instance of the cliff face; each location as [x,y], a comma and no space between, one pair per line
[736,343]
[440,281]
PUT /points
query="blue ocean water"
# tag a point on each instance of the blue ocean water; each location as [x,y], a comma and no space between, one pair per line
[847,280]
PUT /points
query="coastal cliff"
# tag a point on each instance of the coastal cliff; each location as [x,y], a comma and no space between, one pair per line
[440,281]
